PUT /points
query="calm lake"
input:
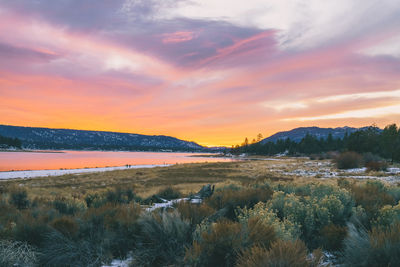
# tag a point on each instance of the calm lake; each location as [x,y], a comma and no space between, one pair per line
[92,159]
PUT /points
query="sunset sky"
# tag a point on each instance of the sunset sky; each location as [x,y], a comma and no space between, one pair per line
[208,71]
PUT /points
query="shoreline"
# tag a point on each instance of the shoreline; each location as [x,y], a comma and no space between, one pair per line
[27,174]
[32,151]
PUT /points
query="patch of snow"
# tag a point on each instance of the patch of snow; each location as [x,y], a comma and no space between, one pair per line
[43,173]
[170,203]
[393,170]
[355,170]
[119,263]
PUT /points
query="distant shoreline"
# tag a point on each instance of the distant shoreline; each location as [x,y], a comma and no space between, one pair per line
[31,151]
[7,175]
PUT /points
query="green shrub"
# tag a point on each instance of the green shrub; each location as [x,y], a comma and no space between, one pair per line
[376,248]
[161,240]
[94,200]
[14,253]
[231,198]
[68,206]
[372,196]
[284,228]
[31,230]
[304,216]
[394,191]
[117,223]
[61,251]
[121,196]
[387,216]
[349,160]
[19,198]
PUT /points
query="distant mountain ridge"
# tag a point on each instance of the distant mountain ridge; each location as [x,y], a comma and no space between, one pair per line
[298,133]
[49,138]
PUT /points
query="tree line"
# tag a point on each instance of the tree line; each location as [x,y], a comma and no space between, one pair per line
[10,142]
[385,143]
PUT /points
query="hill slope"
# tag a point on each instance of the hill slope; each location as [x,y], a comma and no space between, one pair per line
[298,133]
[47,138]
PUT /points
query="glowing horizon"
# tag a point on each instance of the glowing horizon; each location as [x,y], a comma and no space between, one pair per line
[197,70]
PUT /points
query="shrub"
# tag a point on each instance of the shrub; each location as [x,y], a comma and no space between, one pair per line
[117,223]
[376,166]
[284,229]
[232,198]
[65,225]
[14,253]
[394,191]
[19,198]
[68,206]
[376,248]
[332,237]
[282,254]
[348,160]
[194,213]
[218,244]
[161,240]
[305,216]
[371,195]
[259,233]
[60,250]
[374,162]
[31,230]
[387,216]
[121,196]
[169,193]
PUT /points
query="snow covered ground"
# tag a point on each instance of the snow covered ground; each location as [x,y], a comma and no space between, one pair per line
[44,173]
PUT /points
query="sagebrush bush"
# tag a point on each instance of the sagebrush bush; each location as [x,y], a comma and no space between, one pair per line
[19,198]
[162,239]
[60,251]
[282,254]
[349,160]
[231,198]
[387,216]
[285,229]
[372,196]
[14,253]
[194,213]
[117,223]
[219,244]
[332,237]
[379,247]
[374,163]
[304,216]
[68,206]
[66,225]
[169,193]
[121,196]
[31,230]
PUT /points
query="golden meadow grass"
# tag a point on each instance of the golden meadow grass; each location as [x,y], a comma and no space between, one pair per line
[188,178]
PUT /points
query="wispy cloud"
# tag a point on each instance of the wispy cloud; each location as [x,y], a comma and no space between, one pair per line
[198,69]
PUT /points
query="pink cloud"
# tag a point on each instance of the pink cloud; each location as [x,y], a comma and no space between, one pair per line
[178,37]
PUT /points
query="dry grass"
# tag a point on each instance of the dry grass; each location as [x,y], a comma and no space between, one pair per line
[186,178]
